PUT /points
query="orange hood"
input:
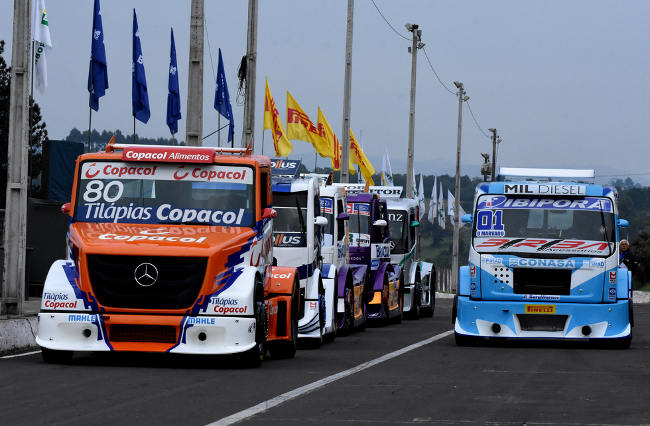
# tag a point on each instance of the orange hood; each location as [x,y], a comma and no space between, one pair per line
[158,240]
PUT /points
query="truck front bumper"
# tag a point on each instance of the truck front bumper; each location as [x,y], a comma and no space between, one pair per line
[145,333]
[482,318]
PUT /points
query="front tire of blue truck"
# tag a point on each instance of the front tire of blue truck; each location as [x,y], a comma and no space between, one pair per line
[51,356]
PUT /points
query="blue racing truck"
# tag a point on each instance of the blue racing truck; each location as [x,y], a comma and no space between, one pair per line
[544,261]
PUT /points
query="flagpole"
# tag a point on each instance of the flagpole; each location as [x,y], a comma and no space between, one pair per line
[90,101]
[315,161]
[219,127]
[134,129]
[263,141]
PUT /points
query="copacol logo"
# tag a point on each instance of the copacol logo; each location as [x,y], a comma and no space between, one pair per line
[145,274]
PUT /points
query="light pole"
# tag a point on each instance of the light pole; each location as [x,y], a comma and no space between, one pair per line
[344,176]
[417,44]
[494,153]
[461,98]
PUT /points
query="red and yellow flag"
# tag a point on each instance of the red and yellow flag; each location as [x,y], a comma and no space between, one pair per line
[359,158]
[272,121]
[333,146]
[300,127]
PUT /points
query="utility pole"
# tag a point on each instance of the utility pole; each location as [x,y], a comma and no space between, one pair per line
[494,153]
[194,121]
[417,34]
[461,98]
[248,133]
[15,235]
[347,94]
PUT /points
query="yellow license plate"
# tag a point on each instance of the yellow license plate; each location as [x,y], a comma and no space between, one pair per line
[540,309]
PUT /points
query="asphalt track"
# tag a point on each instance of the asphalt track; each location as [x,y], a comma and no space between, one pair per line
[436,383]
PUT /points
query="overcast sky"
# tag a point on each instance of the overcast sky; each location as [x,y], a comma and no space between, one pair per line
[565,83]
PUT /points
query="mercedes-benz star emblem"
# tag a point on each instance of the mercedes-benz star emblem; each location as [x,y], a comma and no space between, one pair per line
[145,274]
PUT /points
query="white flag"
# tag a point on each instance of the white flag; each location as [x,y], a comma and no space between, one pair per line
[451,204]
[42,45]
[441,208]
[386,171]
[433,203]
[422,206]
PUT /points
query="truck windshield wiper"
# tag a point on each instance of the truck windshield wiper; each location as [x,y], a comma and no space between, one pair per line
[602,222]
[301,219]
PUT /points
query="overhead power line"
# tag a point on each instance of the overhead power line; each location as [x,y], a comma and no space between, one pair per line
[207,36]
[478,126]
[435,73]
[389,24]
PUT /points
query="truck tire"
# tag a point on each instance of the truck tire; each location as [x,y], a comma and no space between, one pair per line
[427,311]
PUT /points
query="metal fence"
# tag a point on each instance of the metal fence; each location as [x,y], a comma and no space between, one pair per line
[444,281]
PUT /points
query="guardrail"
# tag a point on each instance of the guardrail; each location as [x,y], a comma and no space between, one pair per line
[444,281]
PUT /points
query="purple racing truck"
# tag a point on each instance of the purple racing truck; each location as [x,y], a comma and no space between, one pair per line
[370,245]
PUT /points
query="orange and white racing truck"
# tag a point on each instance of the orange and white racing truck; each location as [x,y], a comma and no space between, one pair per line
[170,250]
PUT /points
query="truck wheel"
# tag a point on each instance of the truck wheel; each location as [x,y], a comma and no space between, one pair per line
[416,310]
[427,311]
[347,316]
[400,300]
[51,356]
[253,357]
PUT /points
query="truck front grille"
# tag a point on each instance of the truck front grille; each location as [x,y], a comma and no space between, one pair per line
[542,281]
[142,333]
[116,284]
[541,322]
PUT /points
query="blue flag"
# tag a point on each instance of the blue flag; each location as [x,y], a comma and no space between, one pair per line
[222,98]
[139,95]
[173,97]
[98,72]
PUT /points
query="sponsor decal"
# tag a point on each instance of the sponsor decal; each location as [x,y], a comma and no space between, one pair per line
[281,276]
[541,297]
[151,238]
[50,304]
[612,293]
[472,271]
[201,320]
[227,310]
[380,251]
[545,189]
[178,155]
[586,203]
[288,239]
[540,309]
[394,216]
[280,167]
[359,239]
[165,213]
[171,172]
[313,305]
[359,208]
[55,296]
[612,277]
[327,205]
[532,245]
[82,318]
[382,191]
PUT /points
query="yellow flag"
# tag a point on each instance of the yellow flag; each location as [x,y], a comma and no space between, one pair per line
[272,121]
[333,146]
[359,158]
[300,127]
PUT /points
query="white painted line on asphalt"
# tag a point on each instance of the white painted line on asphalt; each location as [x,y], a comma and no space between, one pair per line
[17,355]
[288,396]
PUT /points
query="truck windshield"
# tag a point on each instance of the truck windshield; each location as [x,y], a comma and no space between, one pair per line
[286,205]
[359,223]
[397,221]
[572,226]
[165,193]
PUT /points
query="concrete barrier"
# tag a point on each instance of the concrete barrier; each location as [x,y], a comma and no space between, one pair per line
[17,334]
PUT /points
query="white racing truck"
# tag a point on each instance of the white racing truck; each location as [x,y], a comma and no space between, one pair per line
[420,277]
[297,236]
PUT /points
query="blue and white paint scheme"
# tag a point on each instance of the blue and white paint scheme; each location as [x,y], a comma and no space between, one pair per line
[544,261]
[297,243]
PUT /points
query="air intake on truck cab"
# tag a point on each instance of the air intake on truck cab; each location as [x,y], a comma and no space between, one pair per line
[142,333]
[542,281]
[146,282]
[540,322]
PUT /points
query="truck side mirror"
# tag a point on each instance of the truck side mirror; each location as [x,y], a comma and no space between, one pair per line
[343,216]
[269,213]
[467,218]
[65,208]
[623,223]
[380,222]
[320,221]
[415,224]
